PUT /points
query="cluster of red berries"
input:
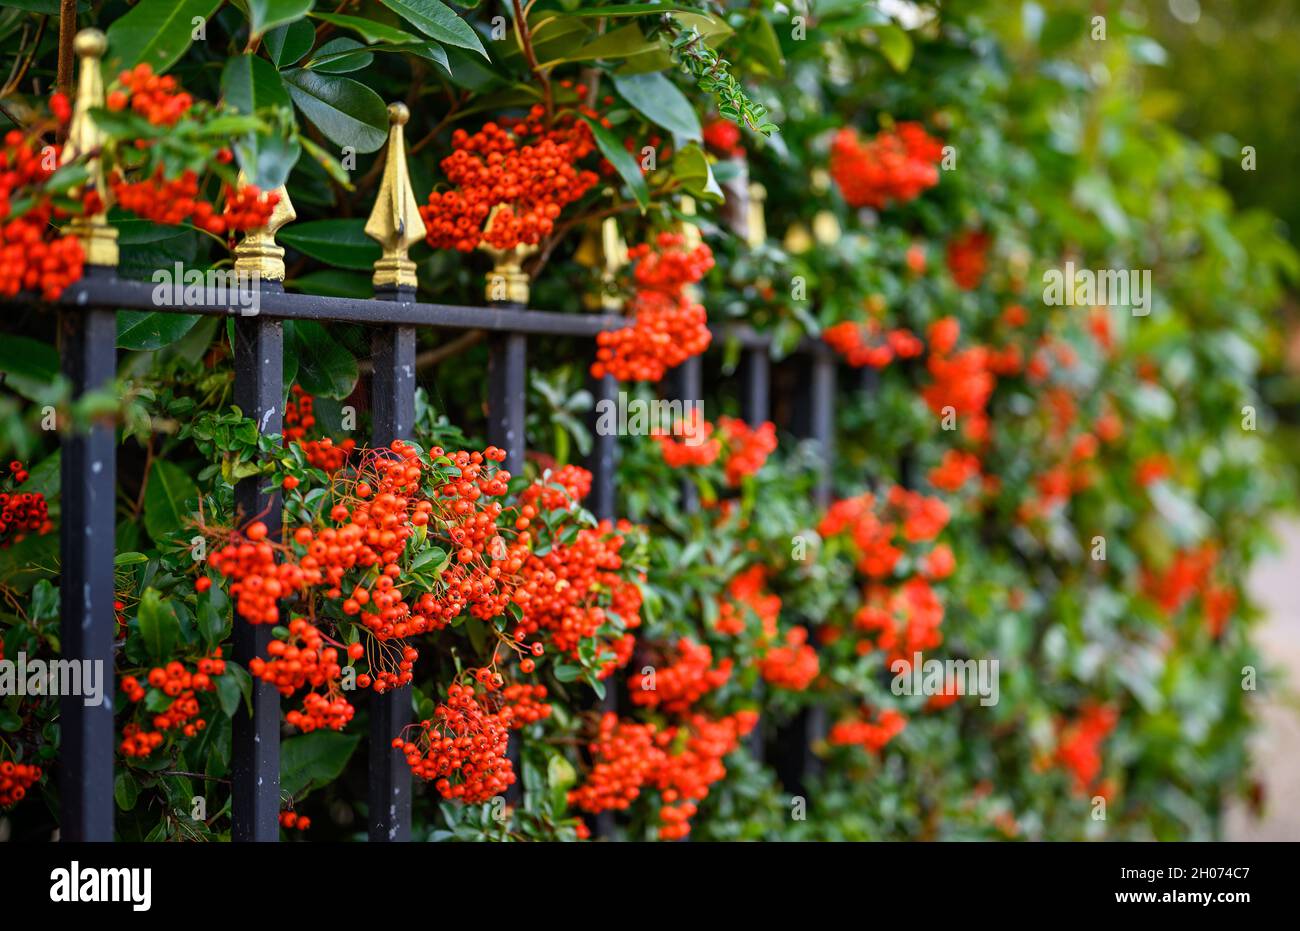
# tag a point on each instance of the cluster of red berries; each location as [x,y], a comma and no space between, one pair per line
[303,660]
[299,419]
[676,687]
[156,97]
[524,169]
[461,749]
[690,442]
[863,732]
[747,448]
[869,344]
[954,470]
[571,589]
[33,255]
[746,592]
[680,762]
[23,512]
[668,325]
[1078,747]
[292,821]
[968,258]
[723,137]
[792,666]
[903,621]
[15,780]
[1188,573]
[172,201]
[962,382]
[183,686]
[874,523]
[893,166]
[523,704]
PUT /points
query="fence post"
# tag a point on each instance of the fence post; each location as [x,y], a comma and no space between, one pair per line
[395,223]
[756,407]
[88,477]
[259,393]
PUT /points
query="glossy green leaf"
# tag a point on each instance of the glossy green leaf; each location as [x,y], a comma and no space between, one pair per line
[627,167]
[661,102]
[155,32]
[325,367]
[438,21]
[340,243]
[267,14]
[347,112]
[168,499]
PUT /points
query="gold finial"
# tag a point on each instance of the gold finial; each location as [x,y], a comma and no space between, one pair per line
[257,254]
[756,220]
[690,231]
[506,283]
[395,221]
[797,239]
[98,239]
[826,229]
[614,248]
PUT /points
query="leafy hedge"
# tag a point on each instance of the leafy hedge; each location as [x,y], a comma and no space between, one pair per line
[1073,492]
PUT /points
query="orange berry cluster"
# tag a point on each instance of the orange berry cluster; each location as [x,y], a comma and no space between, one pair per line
[873,735]
[868,344]
[33,256]
[303,660]
[681,762]
[21,513]
[299,418]
[668,326]
[570,591]
[181,685]
[691,442]
[523,704]
[747,449]
[955,470]
[158,98]
[746,594]
[675,688]
[895,166]
[962,380]
[793,666]
[967,257]
[526,169]
[172,201]
[1078,748]
[292,821]
[15,780]
[461,749]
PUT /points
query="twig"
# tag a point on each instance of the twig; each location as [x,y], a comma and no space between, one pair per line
[526,44]
[67,32]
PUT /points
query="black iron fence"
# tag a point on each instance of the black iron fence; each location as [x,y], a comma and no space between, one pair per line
[87,336]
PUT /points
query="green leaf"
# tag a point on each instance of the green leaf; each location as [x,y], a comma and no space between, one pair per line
[368,29]
[250,83]
[28,358]
[627,167]
[661,102]
[151,329]
[895,45]
[314,759]
[332,282]
[437,21]
[341,55]
[325,368]
[125,791]
[166,498]
[341,243]
[347,112]
[289,43]
[623,42]
[156,32]
[264,15]
[158,625]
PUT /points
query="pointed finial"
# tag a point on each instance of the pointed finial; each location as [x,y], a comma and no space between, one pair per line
[395,221]
[614,248]
[756,221]
[257,254]
[689,230]
[507,282]
[98,239]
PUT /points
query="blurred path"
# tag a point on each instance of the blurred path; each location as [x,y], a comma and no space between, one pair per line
[1275,586]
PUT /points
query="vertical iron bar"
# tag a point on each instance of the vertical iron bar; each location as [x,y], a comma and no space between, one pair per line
[392,392]
[601,463]
[756,406]
[255,767]
[507,397]
[688,384]
[507,392]
[88,473]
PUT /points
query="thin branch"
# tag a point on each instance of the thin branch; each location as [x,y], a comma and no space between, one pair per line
[526,44]
[67,33]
